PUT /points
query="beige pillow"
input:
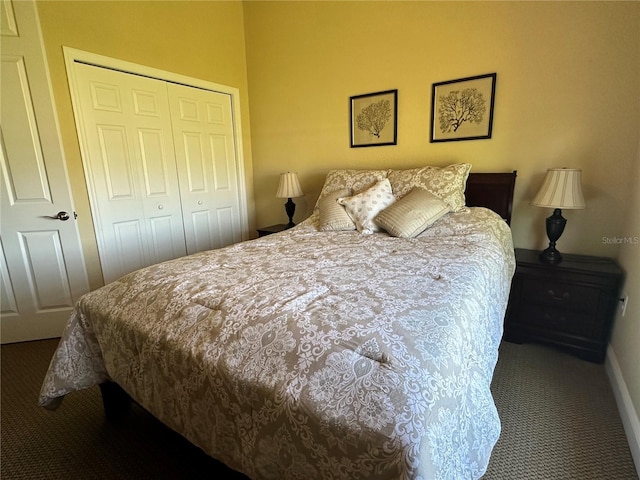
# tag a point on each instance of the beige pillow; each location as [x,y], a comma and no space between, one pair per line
[446,183]
[412,214]
[362,208]
[355,180]
[333,216]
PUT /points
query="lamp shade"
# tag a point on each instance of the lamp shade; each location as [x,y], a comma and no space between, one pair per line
[289,186]
[562,188]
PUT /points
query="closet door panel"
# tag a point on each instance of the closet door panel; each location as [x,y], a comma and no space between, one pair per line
[222,170]
[131,172]
[127,248]
[114,165]
[195,163]
[225,222]
[205,154]
[154,162]
[201,226]
[161,205]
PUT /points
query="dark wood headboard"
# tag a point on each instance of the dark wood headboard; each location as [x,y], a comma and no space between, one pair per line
[492,190]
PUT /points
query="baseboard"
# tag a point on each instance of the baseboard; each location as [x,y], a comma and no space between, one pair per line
[626,409]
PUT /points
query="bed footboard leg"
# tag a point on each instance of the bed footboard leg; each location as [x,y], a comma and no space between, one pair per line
[115,400]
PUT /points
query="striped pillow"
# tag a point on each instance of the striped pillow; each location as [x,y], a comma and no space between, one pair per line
[333,216]
[412,214]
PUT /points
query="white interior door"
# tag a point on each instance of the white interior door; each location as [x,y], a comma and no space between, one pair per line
[203,132]
[42,267]
[131,170]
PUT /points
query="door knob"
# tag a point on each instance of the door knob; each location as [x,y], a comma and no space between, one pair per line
[64,216]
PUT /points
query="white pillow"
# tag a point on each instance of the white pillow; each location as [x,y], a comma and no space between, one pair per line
[333,216]
[355,180]
[362,208]
[412,214]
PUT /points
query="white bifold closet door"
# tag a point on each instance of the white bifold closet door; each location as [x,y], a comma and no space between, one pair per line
[161,168]
[205,156]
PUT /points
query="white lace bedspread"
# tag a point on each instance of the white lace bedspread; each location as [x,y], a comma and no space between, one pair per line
[312,355]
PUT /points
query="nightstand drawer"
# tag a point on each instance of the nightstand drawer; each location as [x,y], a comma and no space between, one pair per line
[551,319]
[564,295]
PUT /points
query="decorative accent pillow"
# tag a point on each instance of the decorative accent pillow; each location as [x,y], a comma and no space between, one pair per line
[355,180]
[362,208]
[333,216]
[446,183]
[412,214]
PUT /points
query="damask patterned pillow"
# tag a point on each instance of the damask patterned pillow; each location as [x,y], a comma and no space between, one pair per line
[333,216]
[362,208]
[355,180]
[446,183]
[412,214]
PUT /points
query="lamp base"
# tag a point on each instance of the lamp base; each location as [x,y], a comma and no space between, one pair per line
[551,256]
[290,208]
[555,226]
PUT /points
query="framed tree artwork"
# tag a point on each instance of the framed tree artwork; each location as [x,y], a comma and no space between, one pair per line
[462,109]
[374,119]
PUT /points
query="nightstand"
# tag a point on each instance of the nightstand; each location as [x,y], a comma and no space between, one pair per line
[571,305]
[280,227]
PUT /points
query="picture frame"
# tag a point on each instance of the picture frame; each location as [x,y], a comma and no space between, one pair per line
[374,119]
[462,109]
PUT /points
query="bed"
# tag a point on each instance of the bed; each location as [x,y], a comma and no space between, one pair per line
[325,351]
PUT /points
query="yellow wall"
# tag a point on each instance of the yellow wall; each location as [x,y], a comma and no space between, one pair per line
[567,94]
[204,40]
[626,333]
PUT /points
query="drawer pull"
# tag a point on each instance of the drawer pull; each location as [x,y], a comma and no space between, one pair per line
[561,319]
[560,298]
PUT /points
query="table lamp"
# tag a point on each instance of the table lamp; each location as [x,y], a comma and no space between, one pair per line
[289,188]
[561,188]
